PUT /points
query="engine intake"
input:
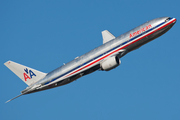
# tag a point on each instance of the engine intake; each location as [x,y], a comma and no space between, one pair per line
[110,63]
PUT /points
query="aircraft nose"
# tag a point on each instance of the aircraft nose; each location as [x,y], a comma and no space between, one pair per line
[172,20]
[175,20]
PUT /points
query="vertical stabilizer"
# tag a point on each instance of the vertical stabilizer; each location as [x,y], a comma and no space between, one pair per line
[26,74]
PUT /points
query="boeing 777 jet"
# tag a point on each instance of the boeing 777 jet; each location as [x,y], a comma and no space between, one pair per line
[105,57]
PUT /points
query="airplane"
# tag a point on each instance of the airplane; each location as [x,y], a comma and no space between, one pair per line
[104,58]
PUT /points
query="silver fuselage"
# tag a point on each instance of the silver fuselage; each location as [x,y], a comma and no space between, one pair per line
[91,61]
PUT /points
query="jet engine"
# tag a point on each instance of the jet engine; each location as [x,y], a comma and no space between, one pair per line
[110,63]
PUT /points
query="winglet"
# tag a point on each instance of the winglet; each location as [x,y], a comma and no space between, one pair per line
[14,98]
[107,36]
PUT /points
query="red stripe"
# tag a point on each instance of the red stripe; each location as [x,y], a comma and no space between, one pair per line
[120,48]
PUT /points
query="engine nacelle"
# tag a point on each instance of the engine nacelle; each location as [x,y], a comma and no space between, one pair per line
[110,63]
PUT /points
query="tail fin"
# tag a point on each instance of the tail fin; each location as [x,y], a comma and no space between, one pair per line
[28,75]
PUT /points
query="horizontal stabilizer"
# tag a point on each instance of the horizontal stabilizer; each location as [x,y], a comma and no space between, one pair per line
[107,36]
[13,98]
[26,74]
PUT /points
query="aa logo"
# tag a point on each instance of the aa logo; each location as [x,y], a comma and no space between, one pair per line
[28,74]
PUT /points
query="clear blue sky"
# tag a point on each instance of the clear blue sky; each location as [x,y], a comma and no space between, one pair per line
[44,34]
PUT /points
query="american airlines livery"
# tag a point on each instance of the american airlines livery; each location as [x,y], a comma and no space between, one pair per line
[105,57]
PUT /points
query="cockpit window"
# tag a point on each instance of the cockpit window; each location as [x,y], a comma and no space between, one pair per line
[167,19]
